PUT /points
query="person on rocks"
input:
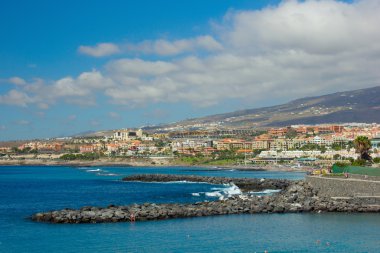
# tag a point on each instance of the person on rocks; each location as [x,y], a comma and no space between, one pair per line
[132,217]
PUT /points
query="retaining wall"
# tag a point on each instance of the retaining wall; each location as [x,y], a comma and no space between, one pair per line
[339,187]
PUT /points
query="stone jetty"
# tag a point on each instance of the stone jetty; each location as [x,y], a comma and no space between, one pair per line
[245,184]
[295,196]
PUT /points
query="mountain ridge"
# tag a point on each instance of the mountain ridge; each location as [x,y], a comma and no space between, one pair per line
[362,105]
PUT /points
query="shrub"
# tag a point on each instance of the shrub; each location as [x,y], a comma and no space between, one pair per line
[359,162]
[341,164]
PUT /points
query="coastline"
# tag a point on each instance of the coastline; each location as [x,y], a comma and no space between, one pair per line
[299,196]
[143,162]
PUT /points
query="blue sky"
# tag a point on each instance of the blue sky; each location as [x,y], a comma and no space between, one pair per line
[73,66]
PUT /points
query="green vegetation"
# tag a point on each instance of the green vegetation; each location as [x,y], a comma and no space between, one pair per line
[376,160]
[27,150]
[359,162]
[334,175]
[336,157]
[342,164]
[86,156]
[362,146]
[224,157]
[291,134]
[311,146]
[337,146]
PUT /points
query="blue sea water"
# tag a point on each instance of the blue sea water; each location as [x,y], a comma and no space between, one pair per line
[26,190]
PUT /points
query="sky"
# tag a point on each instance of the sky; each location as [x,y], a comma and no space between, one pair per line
[68,67]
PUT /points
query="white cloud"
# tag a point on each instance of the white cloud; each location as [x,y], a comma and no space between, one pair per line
[316,27]
[99,50]
[23,122]
[283,52]
[170,48]
[15,97]
[138,67]
[2,127]
[17,80]
[72,117]
[295,49]
[94,123]
[114,115]
[80,91]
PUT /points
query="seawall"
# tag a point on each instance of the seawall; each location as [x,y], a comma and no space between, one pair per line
[344,187]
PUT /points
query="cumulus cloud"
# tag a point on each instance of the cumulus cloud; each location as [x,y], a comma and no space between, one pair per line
[294,49]
[316,27]
[17,80]
[99,50]
[170,48]
[15,97]
[80,90]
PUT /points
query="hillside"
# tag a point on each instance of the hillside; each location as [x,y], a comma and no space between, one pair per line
[341,107]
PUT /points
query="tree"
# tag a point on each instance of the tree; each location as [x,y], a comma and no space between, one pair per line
[291,133]
[336,146]
[362,146]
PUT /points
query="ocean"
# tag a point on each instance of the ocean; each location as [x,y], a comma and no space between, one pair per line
[25,190]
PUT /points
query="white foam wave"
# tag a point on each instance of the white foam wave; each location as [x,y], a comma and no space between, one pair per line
[108,174]
[83,168]
[221,193]
[96,170]
[214,194]
[265,192]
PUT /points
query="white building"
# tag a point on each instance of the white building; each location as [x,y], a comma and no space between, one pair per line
[126,135]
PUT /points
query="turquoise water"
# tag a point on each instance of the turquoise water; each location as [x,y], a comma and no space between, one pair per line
[26,190]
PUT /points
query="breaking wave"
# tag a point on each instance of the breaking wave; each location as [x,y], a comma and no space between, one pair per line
[221,193]
[96,170]
[265,192]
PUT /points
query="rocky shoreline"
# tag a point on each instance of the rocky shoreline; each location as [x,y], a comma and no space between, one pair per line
[295,196]
[245,184]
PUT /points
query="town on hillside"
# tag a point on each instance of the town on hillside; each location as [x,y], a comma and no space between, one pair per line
[295,145]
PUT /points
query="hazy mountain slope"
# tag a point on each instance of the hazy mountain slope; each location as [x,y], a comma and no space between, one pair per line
[341,107]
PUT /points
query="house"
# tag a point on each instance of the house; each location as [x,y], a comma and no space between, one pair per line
[126,134]
[86,148]
[375,143]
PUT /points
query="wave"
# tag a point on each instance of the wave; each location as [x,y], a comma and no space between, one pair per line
[83,168]
[96,170]
[265,192]
[108,174]
[221,193]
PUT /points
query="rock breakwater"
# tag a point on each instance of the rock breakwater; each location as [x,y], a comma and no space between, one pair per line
[245,184]
[296,196]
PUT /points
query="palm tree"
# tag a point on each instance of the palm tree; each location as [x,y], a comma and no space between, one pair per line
[362,145]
